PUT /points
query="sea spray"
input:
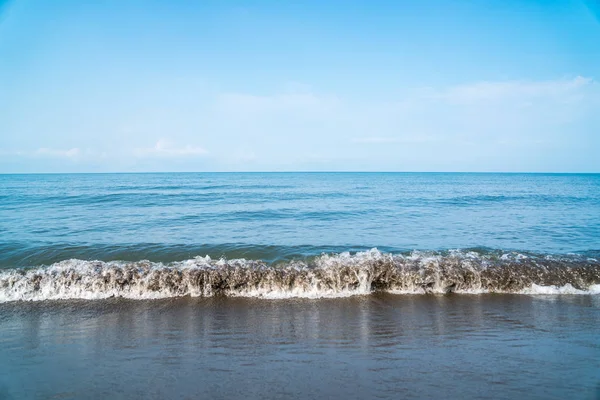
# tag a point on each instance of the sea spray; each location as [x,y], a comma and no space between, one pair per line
[328,275]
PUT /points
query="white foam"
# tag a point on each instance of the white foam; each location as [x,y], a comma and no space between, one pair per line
[556,290]
[327,276]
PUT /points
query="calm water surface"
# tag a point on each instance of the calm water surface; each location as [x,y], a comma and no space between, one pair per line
[170,217]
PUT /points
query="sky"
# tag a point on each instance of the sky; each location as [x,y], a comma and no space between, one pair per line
[431,85]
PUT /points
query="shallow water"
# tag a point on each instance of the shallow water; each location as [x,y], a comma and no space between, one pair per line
[379,346]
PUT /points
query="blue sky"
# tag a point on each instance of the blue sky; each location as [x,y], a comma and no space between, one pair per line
[274,86]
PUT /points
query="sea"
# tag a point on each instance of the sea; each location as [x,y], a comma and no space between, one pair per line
[300,286]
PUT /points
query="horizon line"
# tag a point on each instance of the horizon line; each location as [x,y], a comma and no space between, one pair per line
[300,172]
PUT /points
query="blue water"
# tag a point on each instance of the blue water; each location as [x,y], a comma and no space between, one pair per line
[521,252]
[272,216]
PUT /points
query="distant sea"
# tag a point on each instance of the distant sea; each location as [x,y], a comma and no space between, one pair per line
[254,285]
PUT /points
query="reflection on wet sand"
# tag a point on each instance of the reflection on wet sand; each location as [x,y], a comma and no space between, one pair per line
[387,346]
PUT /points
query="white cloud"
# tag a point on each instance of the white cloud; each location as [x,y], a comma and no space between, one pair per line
[48,152]
[375,140]
[242,103]
[447,128]
[518,125]
[164,148]
[396,139]
[431,112]
[494,91]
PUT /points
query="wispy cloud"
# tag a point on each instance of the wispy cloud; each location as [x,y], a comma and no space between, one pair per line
[424,128]
[45,152]
[445,128]
[165,148]
[288,101]
[48,152]
[395,139]
[491,91]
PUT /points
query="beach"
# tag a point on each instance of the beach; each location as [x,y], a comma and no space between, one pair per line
[379,346]
[300,285]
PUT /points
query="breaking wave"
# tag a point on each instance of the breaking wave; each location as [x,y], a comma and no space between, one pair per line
[328,275]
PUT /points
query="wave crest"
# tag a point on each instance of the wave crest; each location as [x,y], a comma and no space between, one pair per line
[329,275]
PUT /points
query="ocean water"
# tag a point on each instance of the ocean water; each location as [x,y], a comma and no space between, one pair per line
[296,234]
[300,285]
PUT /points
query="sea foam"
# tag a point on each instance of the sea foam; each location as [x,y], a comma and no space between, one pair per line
[329,275]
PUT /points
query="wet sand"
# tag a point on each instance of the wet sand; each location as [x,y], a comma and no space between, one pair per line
[376,346]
